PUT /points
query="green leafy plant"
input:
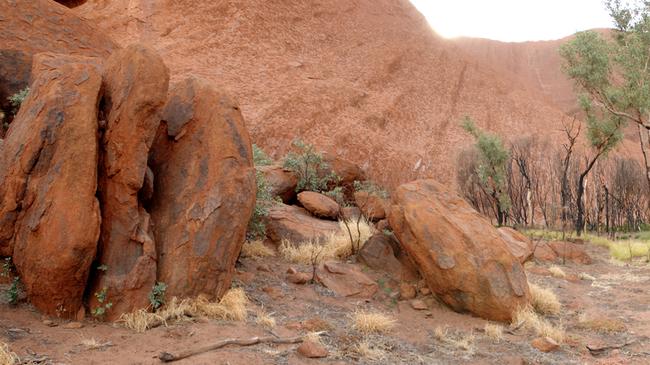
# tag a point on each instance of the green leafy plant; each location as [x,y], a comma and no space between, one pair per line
[14,291]
[337,195]
[260,158]
[263,201]
[7,267]
[104,304]
[17,99]
[310,167]
[370,188]
[491,170]
[157,295]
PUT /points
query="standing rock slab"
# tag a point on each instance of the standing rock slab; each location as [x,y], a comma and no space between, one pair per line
[295,224]
[204,189]
[135,90]
[518,244]
[319,205]
[49,216]
[459,253]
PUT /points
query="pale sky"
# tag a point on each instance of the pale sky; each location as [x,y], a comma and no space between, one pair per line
[513,20]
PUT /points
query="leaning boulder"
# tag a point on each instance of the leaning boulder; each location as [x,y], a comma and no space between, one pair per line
[518,244]
[378,254]
[204,189]
[280,182]
[49,216]
[135,89]
[459,253]
[296,225]
[319,205]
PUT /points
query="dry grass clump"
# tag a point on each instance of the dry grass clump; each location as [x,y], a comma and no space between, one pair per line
[494,331]
[265,319]
[528,319]
[462,341]
[256,249]
[335,246]
[368,351]
[544,300]
[232,307]
[585,276]
[605,325]
[7,357]
[557,272]
[372,322]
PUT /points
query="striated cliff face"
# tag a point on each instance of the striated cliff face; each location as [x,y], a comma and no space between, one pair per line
[367,79]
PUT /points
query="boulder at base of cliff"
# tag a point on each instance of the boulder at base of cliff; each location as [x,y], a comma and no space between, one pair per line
[462,257]
[372,206]
[346,280]
[280,182]
[135,87]
[296,225]
[319,205]
[48,177]
[204,189]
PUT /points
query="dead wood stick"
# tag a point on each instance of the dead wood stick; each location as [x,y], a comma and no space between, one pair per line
[167,357]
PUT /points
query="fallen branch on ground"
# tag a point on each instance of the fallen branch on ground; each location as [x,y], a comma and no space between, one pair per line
[168,357]
[597,349]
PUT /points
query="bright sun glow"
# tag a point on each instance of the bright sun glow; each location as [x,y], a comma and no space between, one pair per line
[513,20]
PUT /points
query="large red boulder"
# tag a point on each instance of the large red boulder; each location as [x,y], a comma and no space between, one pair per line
[49,216]
[296,225]
[517,243]
[372,206]
[319,205]
[204,189]
[280,182]
[459,253]
[571,251]
[135,90]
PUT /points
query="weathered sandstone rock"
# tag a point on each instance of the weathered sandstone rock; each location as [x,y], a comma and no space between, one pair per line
[459,253]
[319,205]
[518,244]
[295,224]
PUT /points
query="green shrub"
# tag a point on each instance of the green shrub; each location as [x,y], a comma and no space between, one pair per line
[337,195]
[104,304]
[157,295]
[370,188]
[310,167]
[18,98]
[260,158]
[14,291]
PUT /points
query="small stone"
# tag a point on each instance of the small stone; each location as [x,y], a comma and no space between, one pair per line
[407,291]
[50,323]
[73,325]
[419,305]
[298,278]
[263,267]
[312,350]
[545,344]
[425,291]
[291,270]
[272,292]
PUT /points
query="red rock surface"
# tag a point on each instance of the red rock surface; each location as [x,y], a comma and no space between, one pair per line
[280,182]
[571,252]
[517,243]
[295,224]
[204,189]
[367,80]
[135,89]
[346,280]
[372,206]
[319,205]
[48,178]
[459,253]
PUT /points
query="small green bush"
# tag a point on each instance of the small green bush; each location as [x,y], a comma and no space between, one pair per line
[370,188]
[104,304]
[157,295]
[17,99]
[263,199]
[310,167]
[14,291]
[260,158]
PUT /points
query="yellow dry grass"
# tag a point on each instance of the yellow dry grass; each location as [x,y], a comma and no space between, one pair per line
[557,272]
[7,357]
[585,276]
[231,307]
[368,322]
[368,351]
[265,319]
[494,331]
[602,324]
[335,246]
[462,341]
[527,318]
[544,300]
[256,249]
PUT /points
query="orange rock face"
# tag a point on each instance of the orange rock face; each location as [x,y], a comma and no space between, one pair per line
[571,251]
[319,205]
[288,222]
[461,256]
[135,89]
[280,182]
[48,176]
[204,189]
[518,244]
[372,206]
